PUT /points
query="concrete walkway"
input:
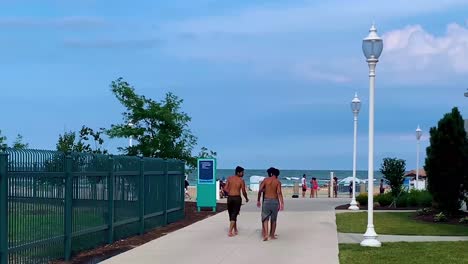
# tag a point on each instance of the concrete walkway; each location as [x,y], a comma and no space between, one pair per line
[306,232]
[350,238]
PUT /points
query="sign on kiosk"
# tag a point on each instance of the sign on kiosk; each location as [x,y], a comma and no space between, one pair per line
[206,171]
[206,184]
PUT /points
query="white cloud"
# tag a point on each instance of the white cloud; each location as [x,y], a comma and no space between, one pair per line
[306,16]
[111,43]
[284,39]
[413,48]
[310,73]
[69,22]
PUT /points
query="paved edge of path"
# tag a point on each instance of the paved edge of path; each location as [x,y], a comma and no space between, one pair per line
[353,238]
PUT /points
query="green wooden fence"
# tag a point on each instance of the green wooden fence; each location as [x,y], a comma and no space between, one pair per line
[54,204]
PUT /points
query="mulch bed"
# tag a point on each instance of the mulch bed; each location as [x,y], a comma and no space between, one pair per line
[454,220]
[380,208]
[101,253]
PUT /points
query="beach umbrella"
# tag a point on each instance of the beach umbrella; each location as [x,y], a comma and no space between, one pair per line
[348,180]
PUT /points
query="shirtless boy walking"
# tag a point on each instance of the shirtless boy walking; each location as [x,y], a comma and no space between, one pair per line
[272,202]
[233,187]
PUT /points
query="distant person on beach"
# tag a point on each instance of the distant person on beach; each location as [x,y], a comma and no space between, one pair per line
[335,187]
[382,189]
[222,193]
[314,187]
[350,189]
[234,185]
[187,194]
[272,202]
[304,186]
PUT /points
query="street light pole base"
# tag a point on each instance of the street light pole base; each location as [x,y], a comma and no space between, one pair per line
[370,238]
[353,206]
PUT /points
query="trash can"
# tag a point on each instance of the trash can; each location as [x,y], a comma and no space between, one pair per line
[362,188]
[295,190]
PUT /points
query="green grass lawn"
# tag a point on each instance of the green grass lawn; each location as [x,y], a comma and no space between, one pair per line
[396,224]
[29,222]
[403,252]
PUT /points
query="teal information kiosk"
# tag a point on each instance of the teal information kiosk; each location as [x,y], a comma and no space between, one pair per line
[206,184]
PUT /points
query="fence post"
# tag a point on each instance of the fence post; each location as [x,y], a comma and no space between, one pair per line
[141,196]
[3,208]
[68,206]
[183,189]
[110,200]
[166,191]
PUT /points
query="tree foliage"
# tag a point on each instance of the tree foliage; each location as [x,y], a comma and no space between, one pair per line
[393,170]
[18,144]
[3,144]
[88,141]
[160,128]
[447,161]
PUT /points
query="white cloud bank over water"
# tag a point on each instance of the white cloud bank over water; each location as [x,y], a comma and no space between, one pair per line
[414,50]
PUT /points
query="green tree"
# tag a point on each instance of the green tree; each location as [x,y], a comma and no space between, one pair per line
[160,128]
[3,144]
[18,144]
[393,170]
[206,153]
[447,161]
[88,141]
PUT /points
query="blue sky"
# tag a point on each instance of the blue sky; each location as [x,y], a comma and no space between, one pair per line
[266,82]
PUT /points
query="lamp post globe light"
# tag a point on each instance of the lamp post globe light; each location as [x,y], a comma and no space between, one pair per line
[372,47]
[418,139]
[355,107]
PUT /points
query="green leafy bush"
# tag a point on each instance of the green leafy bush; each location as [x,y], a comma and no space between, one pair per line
[419,198]
[402,200]
[440,217]
[424,211]
[446,164]
[384,199]
[362,199]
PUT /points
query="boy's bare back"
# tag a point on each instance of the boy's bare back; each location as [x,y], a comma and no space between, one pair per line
[272,187]
[235,185]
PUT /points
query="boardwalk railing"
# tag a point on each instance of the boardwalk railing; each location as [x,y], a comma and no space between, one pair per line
[54,204]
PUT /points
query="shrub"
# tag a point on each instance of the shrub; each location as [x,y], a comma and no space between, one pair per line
[419,198]
[424,211]
[384,199]
[464,220]
[402,200]
[446,164]
[362,199]
[440,217]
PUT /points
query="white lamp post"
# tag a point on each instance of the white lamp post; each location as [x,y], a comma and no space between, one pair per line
[372,47]
[418,138]
[130,140]
[355,107]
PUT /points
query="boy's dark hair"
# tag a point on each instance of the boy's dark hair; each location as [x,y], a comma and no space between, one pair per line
[276,172]
[303,176]
[270,171]
[239,169]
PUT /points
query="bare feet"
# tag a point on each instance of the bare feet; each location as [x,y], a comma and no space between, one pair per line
[236,232]
[273,237]
[230,234]
[265,239]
